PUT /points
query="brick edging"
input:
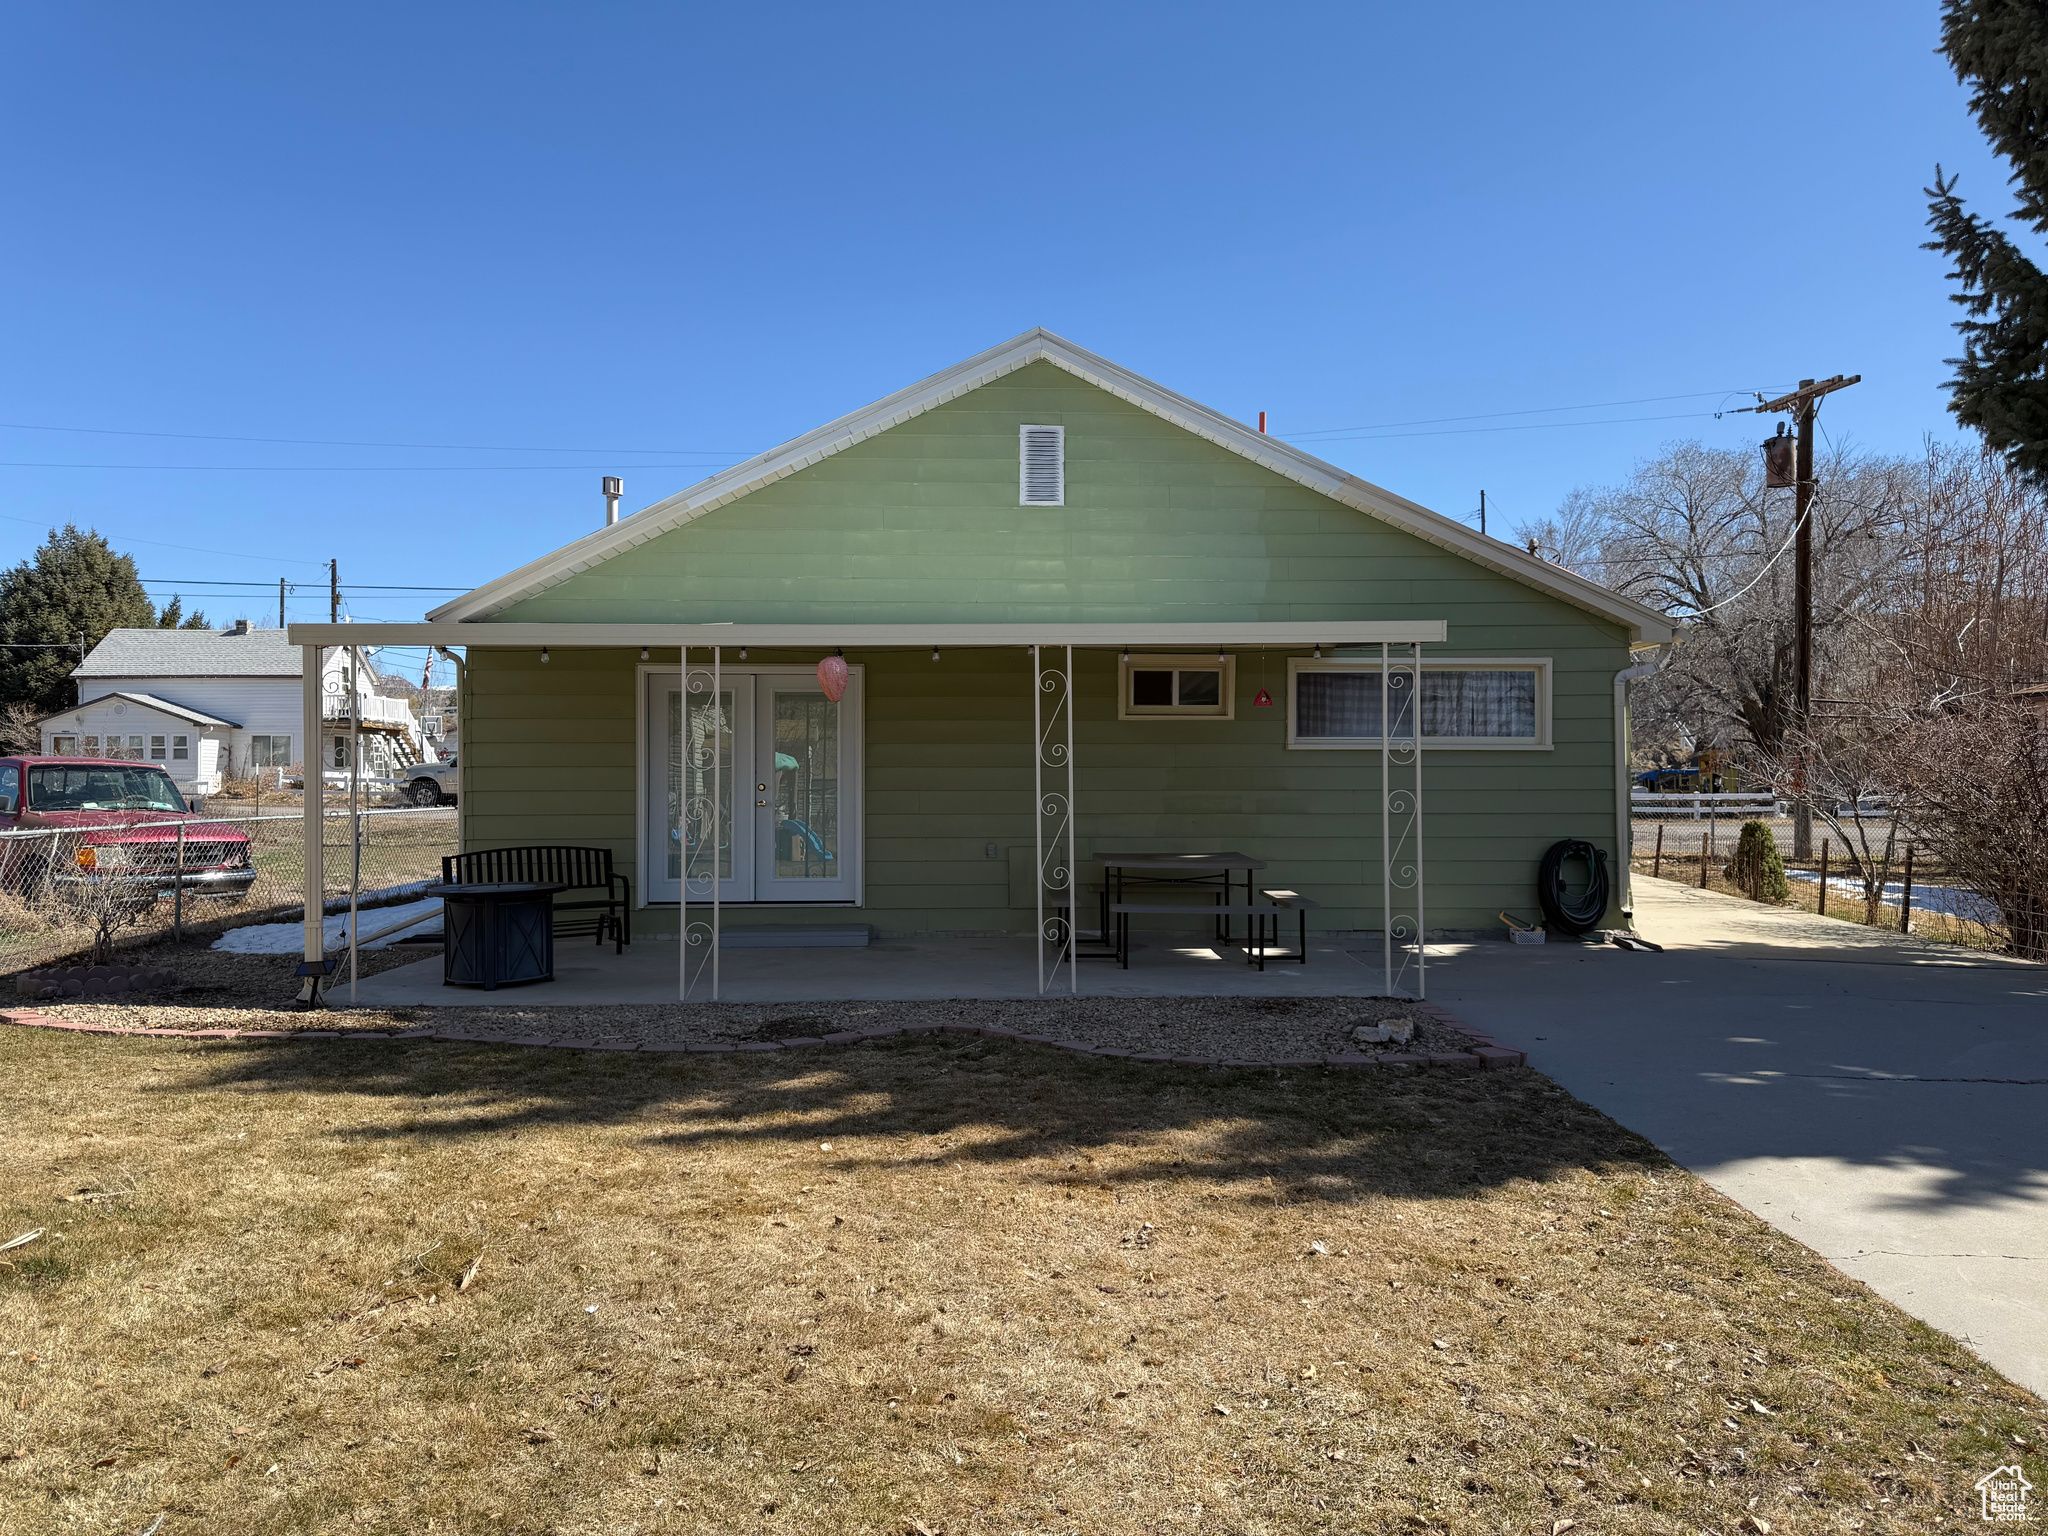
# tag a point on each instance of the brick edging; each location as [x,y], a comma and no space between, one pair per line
[1483,1052]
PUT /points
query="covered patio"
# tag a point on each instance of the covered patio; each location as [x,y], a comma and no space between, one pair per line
[707,810]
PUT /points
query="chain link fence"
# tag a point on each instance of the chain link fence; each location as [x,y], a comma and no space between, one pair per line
[1691,838]
[85,890]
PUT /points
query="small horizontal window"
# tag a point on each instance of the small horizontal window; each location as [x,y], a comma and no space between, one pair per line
[1199,687]
[1463,703]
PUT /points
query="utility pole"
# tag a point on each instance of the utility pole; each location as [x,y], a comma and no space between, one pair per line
[1802,405]
[1482,514]
[280,602]
[334,591]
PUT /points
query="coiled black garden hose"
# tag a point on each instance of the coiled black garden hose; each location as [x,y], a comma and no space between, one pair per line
[1561,912]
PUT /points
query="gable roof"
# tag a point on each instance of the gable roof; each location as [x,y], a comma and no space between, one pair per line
[148,701]
[1035,346]
[191,653]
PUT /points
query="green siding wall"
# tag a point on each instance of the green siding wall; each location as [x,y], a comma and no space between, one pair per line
[921,524]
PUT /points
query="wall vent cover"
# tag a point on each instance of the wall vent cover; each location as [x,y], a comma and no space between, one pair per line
[1042,466]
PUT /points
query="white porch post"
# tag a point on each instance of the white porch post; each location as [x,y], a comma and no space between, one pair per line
[1401,826]
[1054,870]
[704,812]
[311,657]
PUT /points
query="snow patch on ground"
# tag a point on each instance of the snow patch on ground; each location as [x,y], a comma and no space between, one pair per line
[290,938]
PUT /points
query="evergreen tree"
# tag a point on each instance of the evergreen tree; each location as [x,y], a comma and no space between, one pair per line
[1999,49]
[74,585]
[173,616]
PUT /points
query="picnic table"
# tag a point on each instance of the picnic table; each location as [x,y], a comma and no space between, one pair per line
[1214,874]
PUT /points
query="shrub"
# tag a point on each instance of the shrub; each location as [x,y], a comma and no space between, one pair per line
[1756,867]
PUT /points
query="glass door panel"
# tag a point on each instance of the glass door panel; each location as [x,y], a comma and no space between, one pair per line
[804,752]
[691,799]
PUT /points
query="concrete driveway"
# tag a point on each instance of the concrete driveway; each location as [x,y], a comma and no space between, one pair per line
[1877,1098]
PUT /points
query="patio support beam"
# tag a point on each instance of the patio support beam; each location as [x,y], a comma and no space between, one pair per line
[701,794]
[311,658]
[1401,882]
[1055,870]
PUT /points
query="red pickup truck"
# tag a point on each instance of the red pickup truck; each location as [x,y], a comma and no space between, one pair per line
[119,823]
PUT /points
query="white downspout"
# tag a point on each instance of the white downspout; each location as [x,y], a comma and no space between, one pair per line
[1623,832]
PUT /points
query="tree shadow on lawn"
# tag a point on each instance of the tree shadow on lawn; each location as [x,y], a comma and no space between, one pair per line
[939,1100]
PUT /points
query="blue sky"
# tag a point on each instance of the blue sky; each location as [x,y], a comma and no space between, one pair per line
[648,240]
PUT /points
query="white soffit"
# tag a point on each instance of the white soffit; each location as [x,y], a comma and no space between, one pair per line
[1289,633]
[1644,623]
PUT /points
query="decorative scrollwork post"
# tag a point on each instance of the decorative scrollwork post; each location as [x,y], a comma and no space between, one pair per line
[703,818]
[1404,955]
[1052,786]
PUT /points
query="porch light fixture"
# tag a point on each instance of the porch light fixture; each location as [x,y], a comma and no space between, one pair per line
[743,653]
[643,653]
[1319,653]
[935,653]
[543,655]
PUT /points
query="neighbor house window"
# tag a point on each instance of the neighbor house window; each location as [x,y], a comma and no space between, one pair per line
[156,749]
[181,749]
[1169,687]
[63,746]
[92,746]
[1477,704]
[341,751]
[270,751]
[1042,466]
[134,752]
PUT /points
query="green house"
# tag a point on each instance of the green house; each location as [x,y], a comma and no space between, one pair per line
[1080,616]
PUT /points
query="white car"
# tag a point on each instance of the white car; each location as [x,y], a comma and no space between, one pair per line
[428,783]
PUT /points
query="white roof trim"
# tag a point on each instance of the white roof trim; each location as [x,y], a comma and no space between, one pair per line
[1035,346]
[146,701]
[1291,633]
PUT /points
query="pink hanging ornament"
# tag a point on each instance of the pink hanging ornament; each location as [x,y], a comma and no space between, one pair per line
[832,677]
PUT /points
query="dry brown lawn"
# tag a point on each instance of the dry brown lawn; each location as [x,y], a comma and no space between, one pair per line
[939,1285]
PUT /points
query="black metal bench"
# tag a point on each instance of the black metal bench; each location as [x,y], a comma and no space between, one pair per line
[577,869]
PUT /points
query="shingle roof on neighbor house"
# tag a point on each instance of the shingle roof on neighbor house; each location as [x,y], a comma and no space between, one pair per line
[191,653]
[148,701]
[1644,623]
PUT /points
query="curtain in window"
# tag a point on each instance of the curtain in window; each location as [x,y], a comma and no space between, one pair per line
[1462,703]
[1456,704]
[1345,706]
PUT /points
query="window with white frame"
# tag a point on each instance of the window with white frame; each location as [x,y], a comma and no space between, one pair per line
[1484,703]
[156,749]
[1176,687]
[181,749]
[270,751]
[1042,466]
[63,746]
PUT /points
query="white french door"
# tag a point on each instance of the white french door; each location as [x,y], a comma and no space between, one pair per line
[787,783]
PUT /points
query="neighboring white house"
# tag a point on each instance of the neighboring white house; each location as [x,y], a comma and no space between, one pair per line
[210,702]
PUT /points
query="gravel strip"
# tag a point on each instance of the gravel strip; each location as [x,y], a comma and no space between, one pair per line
[219,991]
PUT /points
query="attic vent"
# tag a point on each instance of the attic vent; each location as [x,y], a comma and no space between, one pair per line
[1042,466]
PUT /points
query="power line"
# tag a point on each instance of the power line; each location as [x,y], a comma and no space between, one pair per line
[1545,410]
[171,581]
[338,442]
[190,549]
[368,469]
[1527,426]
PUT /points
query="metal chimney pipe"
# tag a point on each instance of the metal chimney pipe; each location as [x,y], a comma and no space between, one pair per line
[614,488]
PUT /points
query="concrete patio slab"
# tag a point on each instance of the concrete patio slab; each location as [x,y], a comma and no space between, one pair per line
[1878,1098]
[1163,965]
